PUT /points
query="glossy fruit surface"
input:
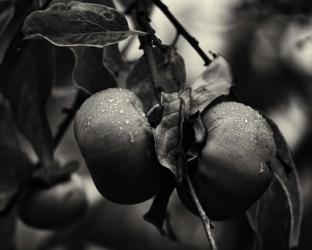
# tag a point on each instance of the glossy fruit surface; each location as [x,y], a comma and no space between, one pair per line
[117,142]
[54,207]
[233,169]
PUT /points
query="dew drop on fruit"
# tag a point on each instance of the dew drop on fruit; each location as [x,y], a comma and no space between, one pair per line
[121,111]
[127,121]
[111,100]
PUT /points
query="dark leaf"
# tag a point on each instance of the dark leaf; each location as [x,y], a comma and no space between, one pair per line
[64,66]
[168,134]
[28,78]
[113,60]
[7,127]
[171,71]
[15,167]
[271,218]
[108,3]
[285,168]
[22,9]
[216,80]
[157,213]
[154,115]
[89,73]
[78,24]
[7,10]
[128,3]
[288,212]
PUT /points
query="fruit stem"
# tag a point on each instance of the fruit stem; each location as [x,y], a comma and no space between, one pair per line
[146,44]
[205,220]
[62,128]
[181,30]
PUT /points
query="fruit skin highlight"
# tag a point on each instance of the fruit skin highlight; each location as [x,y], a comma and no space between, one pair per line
[233,169]
[117,142]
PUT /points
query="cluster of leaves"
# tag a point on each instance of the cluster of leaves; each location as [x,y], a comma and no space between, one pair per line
[92,30]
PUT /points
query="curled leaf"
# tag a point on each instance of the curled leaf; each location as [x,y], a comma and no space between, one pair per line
[78,24]
[169,133]
[89,73]
[214,81]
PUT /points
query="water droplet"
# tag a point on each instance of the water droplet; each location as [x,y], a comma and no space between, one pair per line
[132,139]
[127,121]
[261,168]
[111,100]
[121,111]
[120,127]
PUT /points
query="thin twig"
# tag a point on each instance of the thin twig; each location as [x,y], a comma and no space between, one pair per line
[147,45]
[192,41]
[205,220]
[80,97]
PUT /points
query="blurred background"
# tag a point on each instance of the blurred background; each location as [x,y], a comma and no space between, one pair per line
[269,47]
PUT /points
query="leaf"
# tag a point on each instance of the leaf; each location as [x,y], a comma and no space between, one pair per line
[89,73]
[64,66]
[27,83]
[285,168]
[286,175]
[171,71]
[271,218]
[7,127]
[216,80]
[168,134]
[22,9]
[157,213]
[15,168]
[7,10]
[128,3]
[154,115]
[113,60]
[78,24]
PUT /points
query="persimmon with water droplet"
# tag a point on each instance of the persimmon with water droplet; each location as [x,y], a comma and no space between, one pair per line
[233,169]
[118,147]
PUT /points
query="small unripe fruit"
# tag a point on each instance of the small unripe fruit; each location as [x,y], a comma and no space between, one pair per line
[233,169]
[55,207]
[117,142]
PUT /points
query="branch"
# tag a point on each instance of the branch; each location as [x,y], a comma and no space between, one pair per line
[147,45]
[80,98]
[205,220]
[192,41]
